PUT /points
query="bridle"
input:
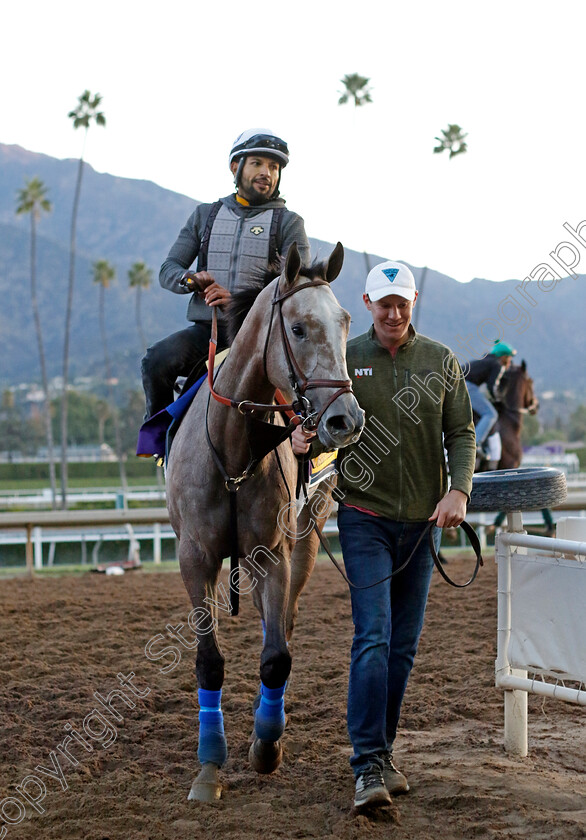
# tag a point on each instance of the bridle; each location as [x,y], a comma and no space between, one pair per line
[300,410]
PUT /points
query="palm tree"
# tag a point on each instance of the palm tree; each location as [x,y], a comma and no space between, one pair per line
[140,277]
[355,88]
[104,275]
[453,139]
[32,198]
[82,116]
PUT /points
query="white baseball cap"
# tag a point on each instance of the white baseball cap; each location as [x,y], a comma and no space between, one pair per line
[390,278]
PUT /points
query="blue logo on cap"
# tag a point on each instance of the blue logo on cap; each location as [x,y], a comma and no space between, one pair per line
[390,273]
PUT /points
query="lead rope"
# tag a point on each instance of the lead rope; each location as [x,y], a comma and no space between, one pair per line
[466,527]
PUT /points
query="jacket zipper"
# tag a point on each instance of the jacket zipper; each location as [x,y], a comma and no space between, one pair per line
[398,410]
[235,261]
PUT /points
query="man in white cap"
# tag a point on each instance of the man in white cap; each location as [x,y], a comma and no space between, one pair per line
[235,240]
[392,484]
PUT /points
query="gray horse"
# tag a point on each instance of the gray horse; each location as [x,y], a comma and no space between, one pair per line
[291,345]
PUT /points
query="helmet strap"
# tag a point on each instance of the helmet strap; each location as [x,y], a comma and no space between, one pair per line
[239,171]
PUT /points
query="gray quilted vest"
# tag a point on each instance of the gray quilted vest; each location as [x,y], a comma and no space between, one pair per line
[234,249]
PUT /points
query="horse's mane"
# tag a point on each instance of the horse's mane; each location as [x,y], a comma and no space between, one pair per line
[243,300]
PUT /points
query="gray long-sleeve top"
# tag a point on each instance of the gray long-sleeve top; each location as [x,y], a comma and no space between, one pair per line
[186,248]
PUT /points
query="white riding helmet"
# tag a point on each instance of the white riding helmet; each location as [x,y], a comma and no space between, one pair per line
[260,141]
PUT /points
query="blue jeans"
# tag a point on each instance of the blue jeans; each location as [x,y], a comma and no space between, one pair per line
[487,413]
[388,619]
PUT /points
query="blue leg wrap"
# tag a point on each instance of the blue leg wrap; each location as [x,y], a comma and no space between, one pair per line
[212,742]
[269,719]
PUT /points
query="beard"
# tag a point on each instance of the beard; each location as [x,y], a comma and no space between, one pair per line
[253,195]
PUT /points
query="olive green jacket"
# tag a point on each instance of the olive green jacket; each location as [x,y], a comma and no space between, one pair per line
[416,406]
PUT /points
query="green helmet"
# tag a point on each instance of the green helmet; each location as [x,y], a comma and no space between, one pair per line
[501,348]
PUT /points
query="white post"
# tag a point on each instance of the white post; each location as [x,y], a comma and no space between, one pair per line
[29,549]
[482,537]
[515,737]
[516,718]
[157,542]
[38,547]
[515,522]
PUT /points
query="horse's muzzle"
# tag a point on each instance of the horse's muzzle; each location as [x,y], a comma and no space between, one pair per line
[337,429]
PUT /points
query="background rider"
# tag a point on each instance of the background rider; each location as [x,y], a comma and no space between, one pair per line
[488,371]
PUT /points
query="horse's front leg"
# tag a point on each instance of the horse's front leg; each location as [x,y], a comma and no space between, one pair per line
[271,595]
[200,580]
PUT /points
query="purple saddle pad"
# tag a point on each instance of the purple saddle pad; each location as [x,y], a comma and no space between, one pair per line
[152,436]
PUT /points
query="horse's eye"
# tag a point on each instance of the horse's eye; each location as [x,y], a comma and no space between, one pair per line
[298,330]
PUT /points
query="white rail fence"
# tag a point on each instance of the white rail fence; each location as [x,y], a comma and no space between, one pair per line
[83,527]
[541,619]
[34,529]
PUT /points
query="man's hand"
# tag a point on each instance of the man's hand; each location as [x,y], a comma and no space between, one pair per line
[301,440]
[451,510]
[216,295]
[196,281]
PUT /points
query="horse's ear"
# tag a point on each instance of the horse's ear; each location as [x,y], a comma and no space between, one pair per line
[292,264]
[524,366]
[334,263]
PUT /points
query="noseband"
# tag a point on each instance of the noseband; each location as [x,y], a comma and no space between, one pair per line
[301,407]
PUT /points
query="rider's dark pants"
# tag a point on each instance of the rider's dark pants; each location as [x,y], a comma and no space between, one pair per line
[176,355]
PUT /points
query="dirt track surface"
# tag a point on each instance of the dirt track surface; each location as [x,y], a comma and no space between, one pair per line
[64,639]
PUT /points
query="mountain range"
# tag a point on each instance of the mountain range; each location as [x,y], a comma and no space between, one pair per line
[124,221]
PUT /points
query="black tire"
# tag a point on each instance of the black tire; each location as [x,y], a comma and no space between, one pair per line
[526,488]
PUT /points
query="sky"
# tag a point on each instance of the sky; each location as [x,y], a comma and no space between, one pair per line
[180,80]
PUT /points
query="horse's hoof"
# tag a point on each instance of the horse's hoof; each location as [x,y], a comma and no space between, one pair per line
[206,787]
[265,756]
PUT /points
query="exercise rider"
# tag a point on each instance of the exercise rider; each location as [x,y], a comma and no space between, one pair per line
[235,240]
[487,371]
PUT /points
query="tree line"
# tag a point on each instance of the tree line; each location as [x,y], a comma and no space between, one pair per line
[33,200]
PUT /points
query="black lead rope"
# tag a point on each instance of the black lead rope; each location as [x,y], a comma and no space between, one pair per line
[465,526]
[474,542]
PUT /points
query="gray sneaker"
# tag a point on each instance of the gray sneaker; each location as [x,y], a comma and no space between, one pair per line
[370,788]
[395,781]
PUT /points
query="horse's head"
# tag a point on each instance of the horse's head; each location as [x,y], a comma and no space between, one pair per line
[309,363]
[530,401]
[519,394]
